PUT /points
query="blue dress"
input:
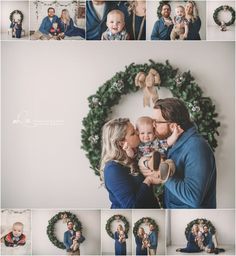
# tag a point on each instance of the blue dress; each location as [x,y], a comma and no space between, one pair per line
[70,29]
[139,249]
[193,29]
[120,248]
[125,190]
[191,245]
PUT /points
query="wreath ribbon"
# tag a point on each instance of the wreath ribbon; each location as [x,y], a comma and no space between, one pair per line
[147,83]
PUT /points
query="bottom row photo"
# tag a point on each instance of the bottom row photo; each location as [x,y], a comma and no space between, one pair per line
[117,232]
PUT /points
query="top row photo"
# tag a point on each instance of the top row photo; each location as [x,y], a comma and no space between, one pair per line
[118,20]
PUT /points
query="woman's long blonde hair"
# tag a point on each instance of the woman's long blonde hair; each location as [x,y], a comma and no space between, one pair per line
[195,10]
[113,133]
[67,16]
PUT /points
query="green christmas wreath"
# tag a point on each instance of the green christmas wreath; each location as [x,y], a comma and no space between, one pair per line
[117,217]
[224,8]
[181,85]
[65,216]
[145,220]
[16,12]
[202,222]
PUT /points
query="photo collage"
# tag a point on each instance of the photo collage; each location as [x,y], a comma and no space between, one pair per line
[118,148]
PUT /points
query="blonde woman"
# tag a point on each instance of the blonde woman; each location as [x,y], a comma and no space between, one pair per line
[192,244]
[125,190]
[137,19]
[140,249]
[120,240]
[67,25]
[191,14]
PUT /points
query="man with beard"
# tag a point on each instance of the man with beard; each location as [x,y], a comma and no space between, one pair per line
[163,27]
[194,183]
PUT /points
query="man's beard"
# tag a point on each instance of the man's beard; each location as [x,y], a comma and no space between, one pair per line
[165,135]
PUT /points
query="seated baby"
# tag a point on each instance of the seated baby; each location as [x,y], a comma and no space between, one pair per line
[116,26]
[55,31]
[16,236]
[180,29]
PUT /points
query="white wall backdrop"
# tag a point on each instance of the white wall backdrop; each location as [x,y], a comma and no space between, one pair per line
[159,217]
[213,30]
[49,87]
[152,15]
[9,6]
[90,220]
[223,221]
[108,244]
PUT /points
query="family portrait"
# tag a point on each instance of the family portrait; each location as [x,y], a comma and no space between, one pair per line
[57,21]
[191,234]
[146,242]
[170,130]
[176,20]
[115,20]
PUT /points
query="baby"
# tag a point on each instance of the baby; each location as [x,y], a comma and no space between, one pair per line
[155,149]
[146,241]
[180,29]
[122,238]
[151,146]
[116,26]
[76,240]
[16,236]
[55,31]
[16,29]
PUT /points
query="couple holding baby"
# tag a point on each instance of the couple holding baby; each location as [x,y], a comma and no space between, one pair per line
[201,240]
[185,25]
[146,244]
[188,176]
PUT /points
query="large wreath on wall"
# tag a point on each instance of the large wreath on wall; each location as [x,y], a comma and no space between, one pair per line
[224,8]
[200,222]
[65,217]
[147,221]
[119,218]
[18,13]
[182,86]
